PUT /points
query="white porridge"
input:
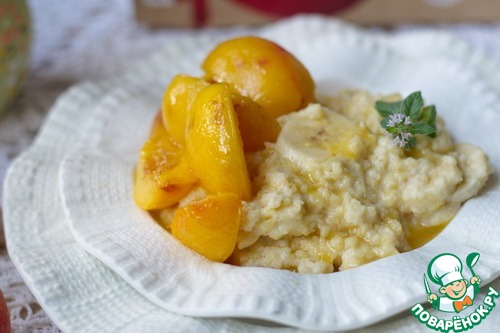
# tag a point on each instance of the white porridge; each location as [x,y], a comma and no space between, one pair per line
[334,192]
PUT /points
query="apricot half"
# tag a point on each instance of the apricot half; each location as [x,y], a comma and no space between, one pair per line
[214,145]
[263,71]
[256,124]
[163,175]
[209,226]
[177,101]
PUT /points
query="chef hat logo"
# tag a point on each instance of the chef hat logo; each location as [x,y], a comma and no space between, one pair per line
[445,269]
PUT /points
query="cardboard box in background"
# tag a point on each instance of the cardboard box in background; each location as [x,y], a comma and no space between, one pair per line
[197,13]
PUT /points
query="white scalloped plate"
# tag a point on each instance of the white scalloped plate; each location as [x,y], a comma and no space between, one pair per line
[97,186]
[80,293]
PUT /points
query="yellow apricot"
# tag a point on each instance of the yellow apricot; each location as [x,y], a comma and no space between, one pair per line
[177,102]
[163,175]
[263,71]
[256,124]
[213,143]
[209,226]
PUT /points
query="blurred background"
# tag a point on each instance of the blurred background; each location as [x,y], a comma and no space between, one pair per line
[366,12]
[49,45]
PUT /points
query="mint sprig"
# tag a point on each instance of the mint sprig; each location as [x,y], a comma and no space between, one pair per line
[407,118]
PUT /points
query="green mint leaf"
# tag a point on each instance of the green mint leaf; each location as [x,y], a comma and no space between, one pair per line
[422,128]
[385,109]
[407,118]
[428,116]
[413,104]
[412,142]
[384,122]
[392,130]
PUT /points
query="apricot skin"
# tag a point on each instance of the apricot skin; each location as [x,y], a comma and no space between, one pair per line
[256,124]
[263,71]
[177,101]
[162,175]
[214,145]
[209,226]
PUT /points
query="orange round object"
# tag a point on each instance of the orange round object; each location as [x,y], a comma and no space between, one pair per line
[209,226]
[214,145]
[177,101]
[263,71]
[163,175]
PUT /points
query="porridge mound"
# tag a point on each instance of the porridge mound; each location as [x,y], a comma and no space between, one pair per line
[334,192]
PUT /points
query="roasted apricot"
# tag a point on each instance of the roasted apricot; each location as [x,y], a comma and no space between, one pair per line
[213,143]
[177,102]
[209,226]
[263,71]
[163,175]
[256,124]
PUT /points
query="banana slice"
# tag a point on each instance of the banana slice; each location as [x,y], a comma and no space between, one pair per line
[317,135]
